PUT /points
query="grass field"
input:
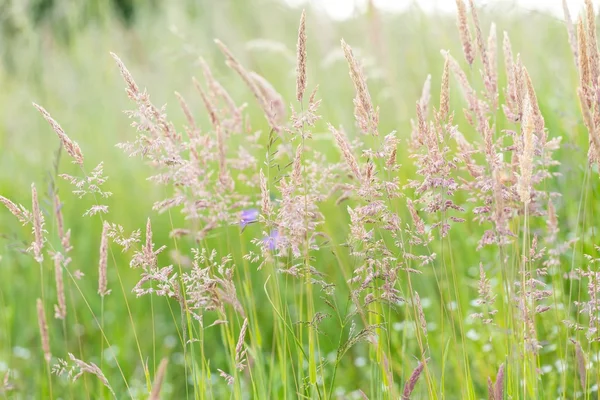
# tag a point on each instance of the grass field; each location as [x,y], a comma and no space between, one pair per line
[310,255]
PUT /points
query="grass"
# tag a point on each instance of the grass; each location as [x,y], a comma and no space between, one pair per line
[301,340]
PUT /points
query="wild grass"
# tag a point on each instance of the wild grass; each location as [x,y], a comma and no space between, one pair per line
[324,212]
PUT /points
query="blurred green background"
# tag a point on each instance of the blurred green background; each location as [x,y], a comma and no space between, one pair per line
[56,53]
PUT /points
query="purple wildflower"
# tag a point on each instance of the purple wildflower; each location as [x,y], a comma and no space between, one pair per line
[271,240]
[248,216]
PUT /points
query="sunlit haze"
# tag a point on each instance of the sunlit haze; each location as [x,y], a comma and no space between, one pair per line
[343,9]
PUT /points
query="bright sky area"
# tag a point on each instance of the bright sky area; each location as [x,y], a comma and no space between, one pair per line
[342,9]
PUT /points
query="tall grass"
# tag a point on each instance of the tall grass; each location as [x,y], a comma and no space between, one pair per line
[304,219]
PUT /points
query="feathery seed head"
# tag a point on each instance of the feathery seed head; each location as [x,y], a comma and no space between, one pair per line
[210,107]
[590,124]
[102,265]
[520,93]
[491,395]
[19,211]
[240,352]
[571,32]
[420,313]
[301,58]
[133,91]
[526,159]
[235,65]
[346,150]
[538,119]
[592,41]
[186,111]
[69,145]
[585,79]
[366,115]
[297,166]
[463,30]
[60,310]
[273,98]
[38,226]
[417,221]
[409,387]
[43,325]
[92,369]
[581,364]
[499,386]
[425,95]
[266,206]
[159,379]
[492,49]
[445,92]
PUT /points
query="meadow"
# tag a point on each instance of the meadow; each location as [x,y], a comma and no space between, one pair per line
[243,200]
